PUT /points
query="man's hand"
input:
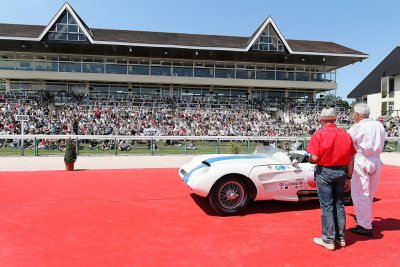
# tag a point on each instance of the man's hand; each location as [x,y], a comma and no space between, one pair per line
[314,159]
[350,167]
[347,185]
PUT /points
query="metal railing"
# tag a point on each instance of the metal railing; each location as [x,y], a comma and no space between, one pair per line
[212,144]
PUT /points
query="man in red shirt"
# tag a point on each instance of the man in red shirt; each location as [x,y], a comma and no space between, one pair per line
[331,149]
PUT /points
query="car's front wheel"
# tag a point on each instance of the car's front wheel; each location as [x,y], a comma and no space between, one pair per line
[229,196]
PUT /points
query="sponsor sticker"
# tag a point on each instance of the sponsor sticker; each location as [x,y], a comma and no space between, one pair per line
[280,167]
[291,184]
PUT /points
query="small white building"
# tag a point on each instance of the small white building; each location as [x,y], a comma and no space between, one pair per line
[381,88]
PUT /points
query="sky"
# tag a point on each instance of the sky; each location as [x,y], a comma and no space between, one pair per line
[369,26]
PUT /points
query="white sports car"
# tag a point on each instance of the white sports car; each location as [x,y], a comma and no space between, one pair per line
[231,181]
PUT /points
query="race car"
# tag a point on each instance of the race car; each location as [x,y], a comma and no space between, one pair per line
[231,181]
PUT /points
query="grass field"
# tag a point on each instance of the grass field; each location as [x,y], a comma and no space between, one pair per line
[202,147]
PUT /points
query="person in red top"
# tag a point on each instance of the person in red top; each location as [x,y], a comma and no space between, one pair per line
[331,149]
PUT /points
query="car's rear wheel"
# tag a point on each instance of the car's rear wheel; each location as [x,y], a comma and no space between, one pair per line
[229,196]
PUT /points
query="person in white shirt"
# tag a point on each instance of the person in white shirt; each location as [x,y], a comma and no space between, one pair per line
[368,138]
[123,145]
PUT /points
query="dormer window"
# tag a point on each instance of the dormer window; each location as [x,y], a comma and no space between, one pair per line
[269,41]
[66,29]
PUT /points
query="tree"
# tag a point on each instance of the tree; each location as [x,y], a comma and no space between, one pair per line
[336,100]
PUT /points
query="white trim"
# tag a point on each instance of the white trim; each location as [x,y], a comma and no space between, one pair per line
[162,137]
[67,7]
[328,54]
[171,46]
[269,20]
[191,47]
[19,38]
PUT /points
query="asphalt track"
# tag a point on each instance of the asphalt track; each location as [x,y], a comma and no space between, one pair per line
[148,217]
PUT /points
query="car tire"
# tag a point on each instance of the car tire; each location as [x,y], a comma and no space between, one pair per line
[229,196]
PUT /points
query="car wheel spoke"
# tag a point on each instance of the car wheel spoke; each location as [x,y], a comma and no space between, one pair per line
[231,195]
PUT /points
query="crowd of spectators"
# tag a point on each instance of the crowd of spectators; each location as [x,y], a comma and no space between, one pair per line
[103,119]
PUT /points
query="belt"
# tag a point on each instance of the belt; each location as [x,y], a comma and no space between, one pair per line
[340,167]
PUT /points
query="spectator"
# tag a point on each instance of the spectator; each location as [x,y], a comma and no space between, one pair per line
[191,145]
[123,145]
[43,144]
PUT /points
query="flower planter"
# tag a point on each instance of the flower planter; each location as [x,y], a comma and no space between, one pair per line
[69,166]
[70,155]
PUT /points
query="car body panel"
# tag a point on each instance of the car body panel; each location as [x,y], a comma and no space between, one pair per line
[272,173]
[282,182]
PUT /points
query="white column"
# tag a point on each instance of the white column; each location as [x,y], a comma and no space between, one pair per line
[8,85]
[171,89]
[87,88]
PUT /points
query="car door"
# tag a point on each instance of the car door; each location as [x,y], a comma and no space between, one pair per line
[277,181]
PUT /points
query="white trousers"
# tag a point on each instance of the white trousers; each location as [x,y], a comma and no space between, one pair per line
[364,183]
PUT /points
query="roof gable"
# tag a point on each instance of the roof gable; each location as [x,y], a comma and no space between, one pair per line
[270,30]
[66,16]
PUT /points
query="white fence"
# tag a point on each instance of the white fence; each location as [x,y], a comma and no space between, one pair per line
[153,139]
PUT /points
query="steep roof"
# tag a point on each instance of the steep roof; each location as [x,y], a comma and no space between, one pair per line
[372,83]
[23,31]
[321,47]
[174,40]
[177,39]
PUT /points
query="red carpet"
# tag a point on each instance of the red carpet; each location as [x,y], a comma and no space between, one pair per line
[148,217]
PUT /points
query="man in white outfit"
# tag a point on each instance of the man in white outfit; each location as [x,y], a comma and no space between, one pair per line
[368,138]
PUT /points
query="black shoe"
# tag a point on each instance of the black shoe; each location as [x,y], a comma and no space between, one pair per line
[362,231]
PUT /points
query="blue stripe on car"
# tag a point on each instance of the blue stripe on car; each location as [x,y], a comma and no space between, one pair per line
[213,160]
[187,176]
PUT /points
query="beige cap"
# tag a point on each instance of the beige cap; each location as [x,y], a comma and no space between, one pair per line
[327,114]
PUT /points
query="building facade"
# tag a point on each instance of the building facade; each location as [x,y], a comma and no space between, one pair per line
[68,56]
[381,88]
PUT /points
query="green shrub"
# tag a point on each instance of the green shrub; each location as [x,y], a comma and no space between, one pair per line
[70,151]
[234,148]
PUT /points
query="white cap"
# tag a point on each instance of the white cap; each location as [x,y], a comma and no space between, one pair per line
[362,108]
[327,114]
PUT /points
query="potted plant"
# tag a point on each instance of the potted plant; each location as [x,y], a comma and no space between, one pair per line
[234,148]
[70,155]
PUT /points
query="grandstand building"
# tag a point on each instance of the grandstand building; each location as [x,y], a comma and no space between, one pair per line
[69,56]
[381,88]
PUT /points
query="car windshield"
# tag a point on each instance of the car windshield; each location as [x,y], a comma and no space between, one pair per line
[275,153]
[267,150]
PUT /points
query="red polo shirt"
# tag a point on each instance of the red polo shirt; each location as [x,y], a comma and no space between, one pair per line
[333,146]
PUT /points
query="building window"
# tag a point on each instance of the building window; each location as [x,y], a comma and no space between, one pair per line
[391,87]
[384,87]
[269,41]
[66,29]
[384,108]
[2,86]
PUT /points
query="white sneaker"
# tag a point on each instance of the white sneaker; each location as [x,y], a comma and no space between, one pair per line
[341,242]
[321,243]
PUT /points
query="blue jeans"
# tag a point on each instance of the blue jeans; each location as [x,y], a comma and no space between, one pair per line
[330,187]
